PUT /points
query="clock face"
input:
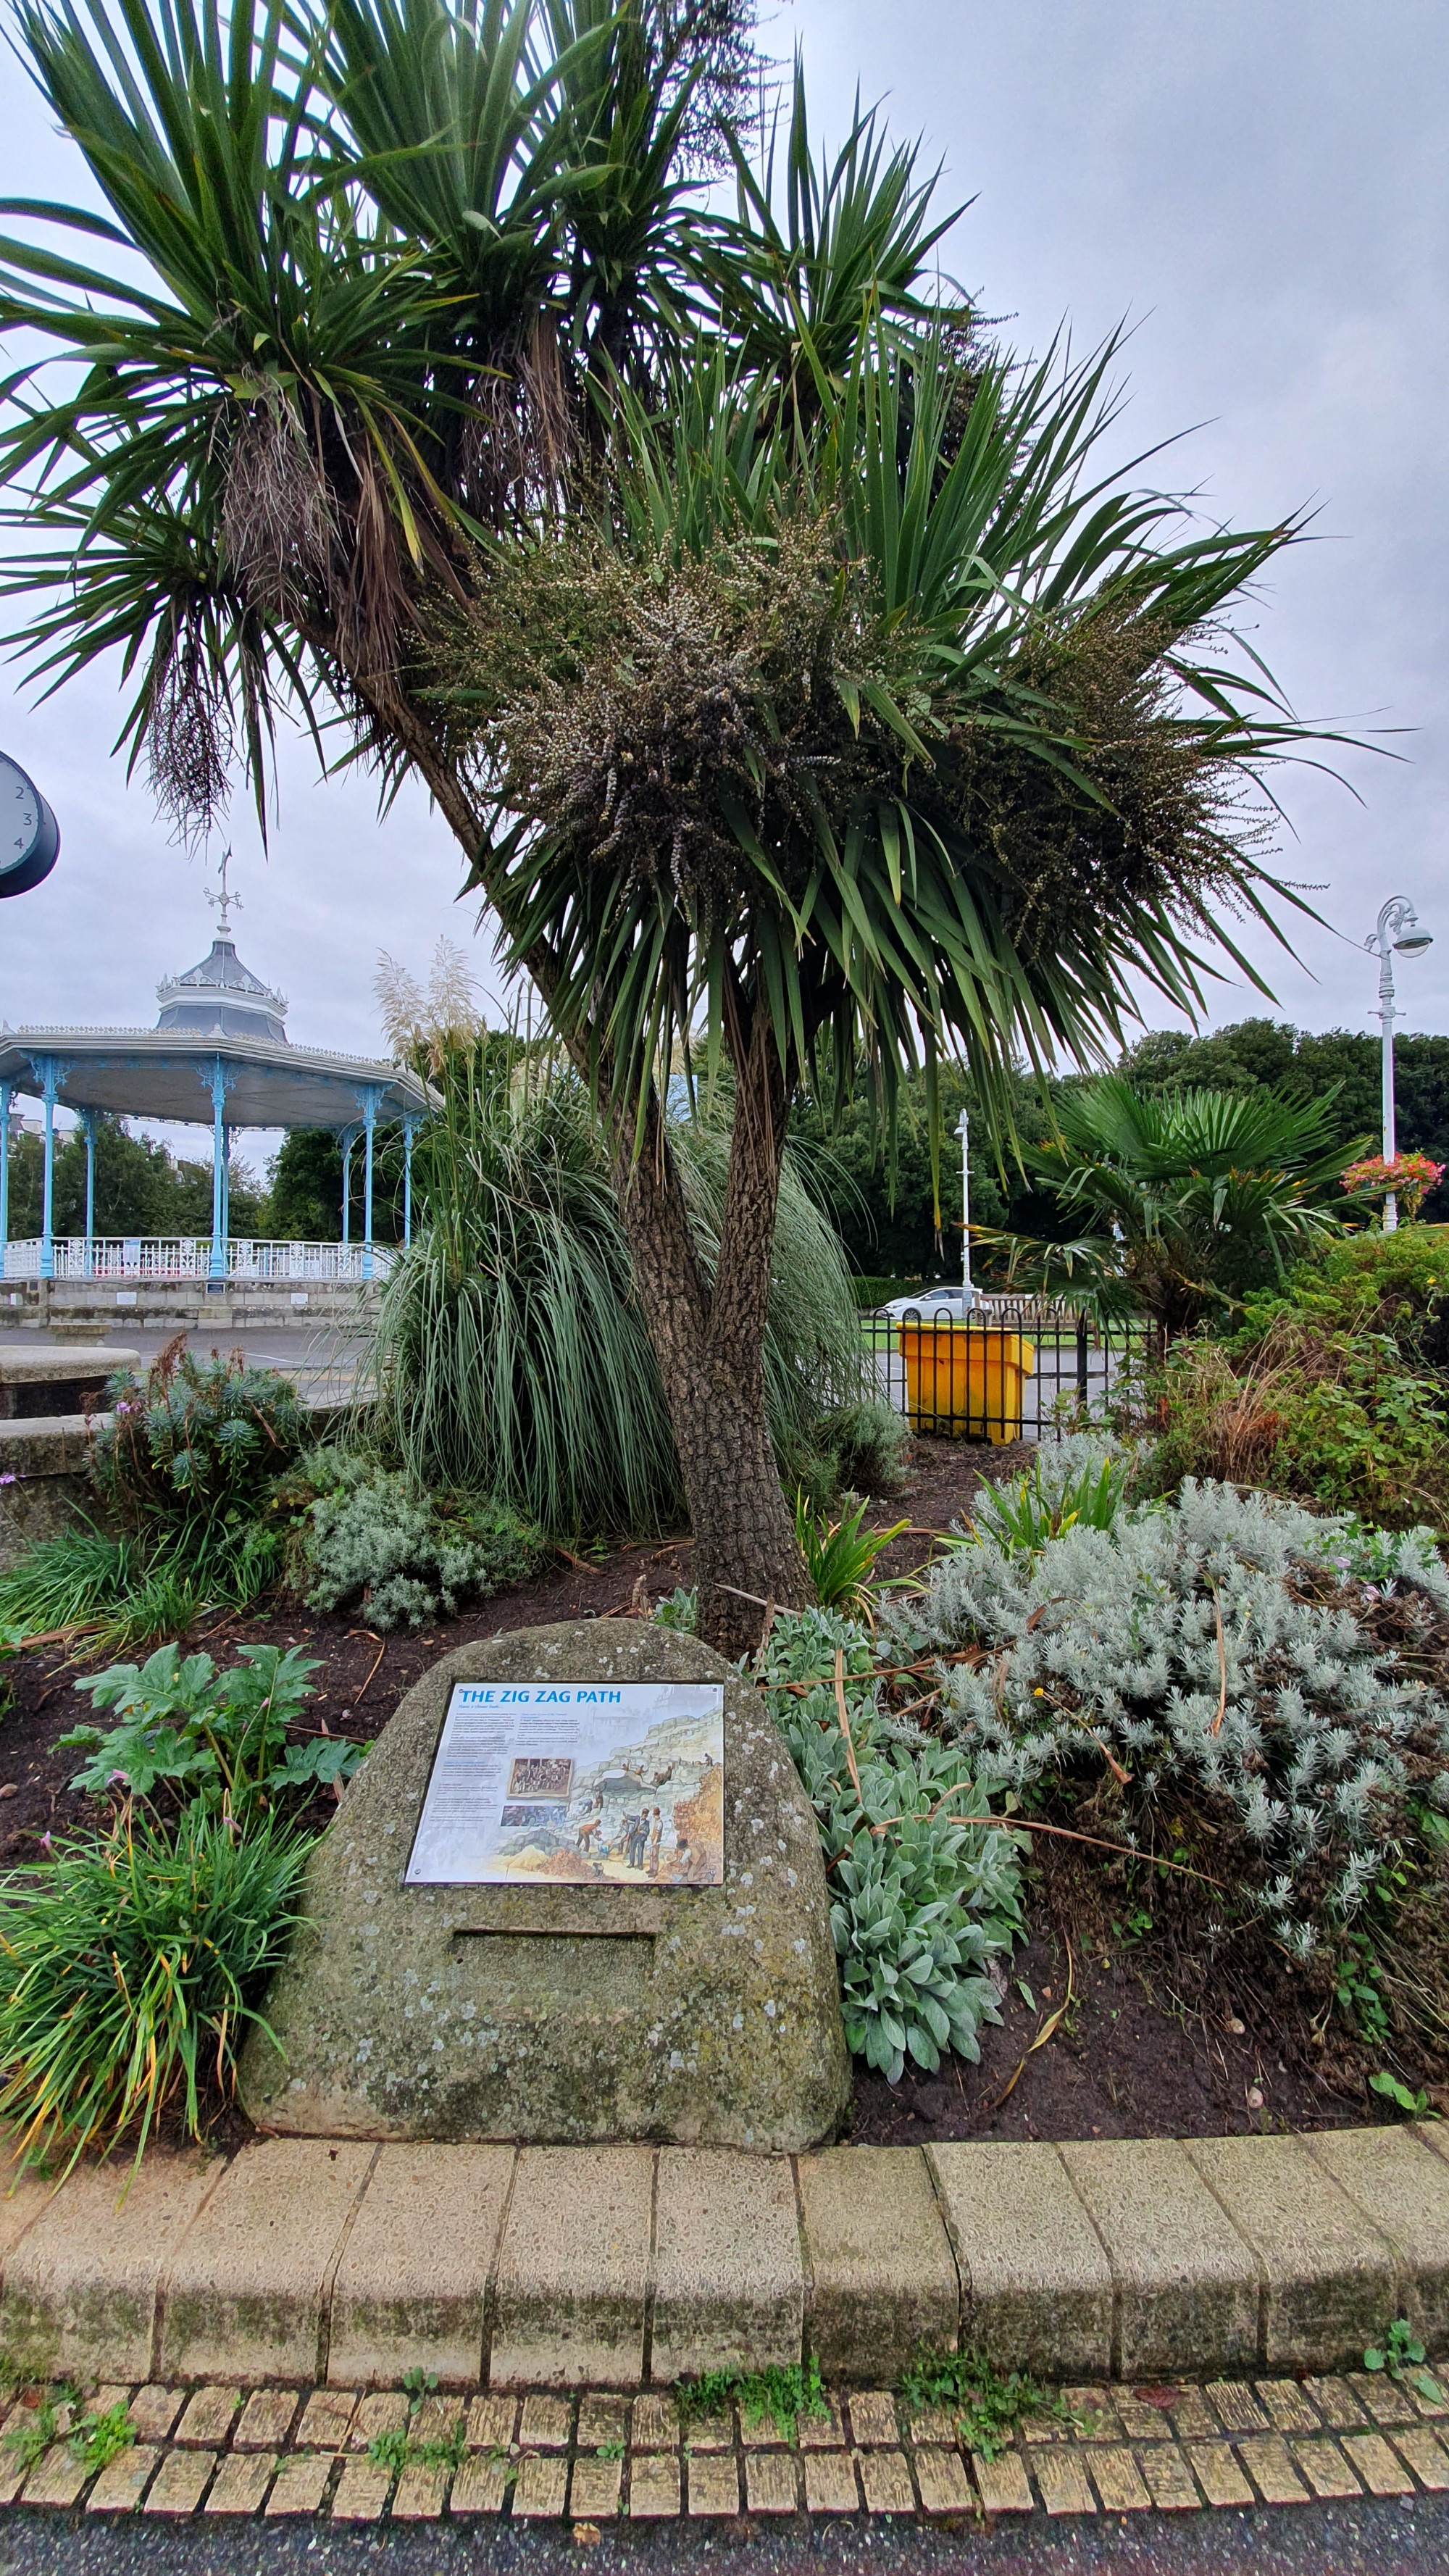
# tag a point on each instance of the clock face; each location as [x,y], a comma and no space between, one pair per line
[20,807]
[29,836]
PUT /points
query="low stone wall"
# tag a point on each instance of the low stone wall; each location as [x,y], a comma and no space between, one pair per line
[89,1310]
[43,1481]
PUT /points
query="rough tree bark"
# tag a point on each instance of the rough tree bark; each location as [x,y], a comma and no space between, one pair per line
[709,1343]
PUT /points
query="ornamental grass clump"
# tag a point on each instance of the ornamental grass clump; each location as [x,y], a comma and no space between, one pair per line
[129,1974]
[511,1354]
[923,1896]
[1229,1659]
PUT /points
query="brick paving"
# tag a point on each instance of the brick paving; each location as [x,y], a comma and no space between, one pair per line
[595,2457]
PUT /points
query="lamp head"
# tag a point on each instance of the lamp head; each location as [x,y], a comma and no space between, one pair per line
[1414,942]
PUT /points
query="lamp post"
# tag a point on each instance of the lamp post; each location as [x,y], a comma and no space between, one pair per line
[964,1132]
[1398,929]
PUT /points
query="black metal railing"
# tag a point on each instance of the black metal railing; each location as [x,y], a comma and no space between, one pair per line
[1013,1368]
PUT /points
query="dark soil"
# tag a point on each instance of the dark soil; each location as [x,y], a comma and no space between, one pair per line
[1109,2028]
[1127,2059]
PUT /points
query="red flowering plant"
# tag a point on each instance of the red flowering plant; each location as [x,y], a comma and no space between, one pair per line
[1410,1176]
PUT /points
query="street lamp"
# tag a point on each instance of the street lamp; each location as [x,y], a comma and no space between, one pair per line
[1398,930]
[964,1132]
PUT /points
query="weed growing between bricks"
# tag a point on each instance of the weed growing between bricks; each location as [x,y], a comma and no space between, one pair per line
[984,2407]
[952,2443]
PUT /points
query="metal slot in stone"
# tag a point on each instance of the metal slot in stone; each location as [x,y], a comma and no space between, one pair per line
[547,1932]
[600,1970]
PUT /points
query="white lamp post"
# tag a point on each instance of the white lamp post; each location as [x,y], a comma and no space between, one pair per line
[964,1132]
[1399,930]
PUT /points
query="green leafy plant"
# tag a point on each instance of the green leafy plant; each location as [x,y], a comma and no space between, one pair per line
[129,1968]
[1414,2105]
[1335,1390]
[783,2395]
[1401,2356]
[195,1441]
[840,1556]
[967,2385]
[99,2439]
[208,1734]
[402,1556]
[923,1896]
[1079,1481]
[31,2432]
[398,2449]
[184,1464]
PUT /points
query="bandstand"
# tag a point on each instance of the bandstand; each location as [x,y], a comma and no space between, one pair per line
[218,1056]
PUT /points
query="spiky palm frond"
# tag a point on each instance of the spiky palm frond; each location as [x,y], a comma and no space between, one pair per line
[821,244]
[1185,1201]
[825,719]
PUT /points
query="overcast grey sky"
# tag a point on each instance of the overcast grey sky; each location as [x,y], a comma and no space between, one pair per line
[1260,188]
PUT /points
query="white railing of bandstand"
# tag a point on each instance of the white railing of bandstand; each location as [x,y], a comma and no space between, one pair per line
[180,1258]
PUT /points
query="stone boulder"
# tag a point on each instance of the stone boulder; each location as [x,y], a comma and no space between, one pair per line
[554,2012]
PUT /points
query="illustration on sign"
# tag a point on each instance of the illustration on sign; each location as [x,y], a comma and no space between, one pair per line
[593,1784]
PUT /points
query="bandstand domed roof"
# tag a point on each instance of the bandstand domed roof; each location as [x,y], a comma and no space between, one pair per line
[222,998]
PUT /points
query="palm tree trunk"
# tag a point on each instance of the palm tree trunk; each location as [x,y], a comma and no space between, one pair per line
[710,1347]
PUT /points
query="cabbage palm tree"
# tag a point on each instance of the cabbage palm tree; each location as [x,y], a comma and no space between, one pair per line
[797,685]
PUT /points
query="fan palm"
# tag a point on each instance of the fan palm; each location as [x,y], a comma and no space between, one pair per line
[1186,1200]
[401,343]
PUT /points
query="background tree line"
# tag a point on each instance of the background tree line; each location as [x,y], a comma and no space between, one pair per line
[884,1206]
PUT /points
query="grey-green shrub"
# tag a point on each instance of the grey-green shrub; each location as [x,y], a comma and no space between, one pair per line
[921,1902]
[372,1539]
[1179,1644]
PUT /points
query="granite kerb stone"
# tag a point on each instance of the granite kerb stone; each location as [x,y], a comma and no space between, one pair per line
[299,2260]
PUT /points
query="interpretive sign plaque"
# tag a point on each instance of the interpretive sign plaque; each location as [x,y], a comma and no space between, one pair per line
[581,1783]
[575,1892]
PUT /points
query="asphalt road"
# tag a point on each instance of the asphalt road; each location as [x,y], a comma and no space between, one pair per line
[318,1355]
[1368,2539]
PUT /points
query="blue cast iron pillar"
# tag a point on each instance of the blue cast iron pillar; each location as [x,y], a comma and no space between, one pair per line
[370,1098]
[220,1081]
[409,1128]
[347,1138]
[50,1072]
[88,1130]
[6,1090]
